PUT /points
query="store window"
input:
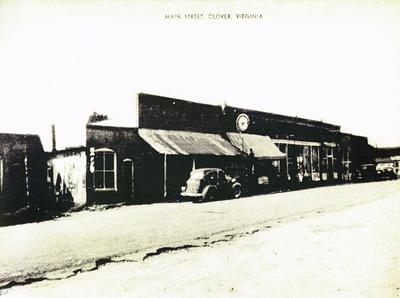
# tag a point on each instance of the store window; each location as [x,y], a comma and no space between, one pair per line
[346,165]
[315,159]
[105,172]
[315,164]
[307,160]
[335,162]
[324,163]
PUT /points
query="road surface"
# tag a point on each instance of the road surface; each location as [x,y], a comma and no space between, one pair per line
[353,252]
[86,240]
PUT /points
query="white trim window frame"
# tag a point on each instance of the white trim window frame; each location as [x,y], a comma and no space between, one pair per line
[105,170]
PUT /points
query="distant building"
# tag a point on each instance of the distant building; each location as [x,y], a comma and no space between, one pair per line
[22,171]
[388,155]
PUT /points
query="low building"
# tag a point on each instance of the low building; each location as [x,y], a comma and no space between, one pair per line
[66,177]
[22,172]
[143,165]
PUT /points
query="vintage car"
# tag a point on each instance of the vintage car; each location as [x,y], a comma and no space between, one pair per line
[208,184]
[367,172]
[385,171]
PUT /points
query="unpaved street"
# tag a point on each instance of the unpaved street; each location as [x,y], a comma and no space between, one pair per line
[354,252]
[351,238]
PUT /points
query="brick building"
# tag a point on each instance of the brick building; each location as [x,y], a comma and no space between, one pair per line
[150,161]
[22,171]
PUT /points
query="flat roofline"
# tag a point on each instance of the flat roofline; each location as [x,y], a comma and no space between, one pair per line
[388,148]
[110,127]
[285,117]
[19,134]
[112,123]
[67,150]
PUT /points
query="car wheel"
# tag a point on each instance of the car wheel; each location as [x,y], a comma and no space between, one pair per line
[209,195]
[237,191]
[198,200]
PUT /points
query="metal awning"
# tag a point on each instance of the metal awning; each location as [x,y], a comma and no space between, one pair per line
[186,143]
[262,146]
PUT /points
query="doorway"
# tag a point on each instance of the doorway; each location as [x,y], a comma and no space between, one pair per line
[128,179]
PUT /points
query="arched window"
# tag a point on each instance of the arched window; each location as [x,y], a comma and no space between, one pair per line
[105,169]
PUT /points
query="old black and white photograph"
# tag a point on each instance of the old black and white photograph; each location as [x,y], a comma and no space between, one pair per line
[200,148]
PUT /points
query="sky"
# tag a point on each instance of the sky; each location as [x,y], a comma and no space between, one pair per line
[336,61]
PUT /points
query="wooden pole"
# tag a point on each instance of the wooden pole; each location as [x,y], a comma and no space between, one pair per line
[165,176]
[287,160]
[311,163]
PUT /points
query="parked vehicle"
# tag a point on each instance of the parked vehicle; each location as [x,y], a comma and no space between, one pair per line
[208,184]
[367,172]
[385,171]
[242,176]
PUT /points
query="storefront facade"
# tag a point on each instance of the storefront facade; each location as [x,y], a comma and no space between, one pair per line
[66,178]
[150,161]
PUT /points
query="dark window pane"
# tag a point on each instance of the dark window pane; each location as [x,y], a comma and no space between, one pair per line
[109,179]
[98,180]
[109,161]
[98,161]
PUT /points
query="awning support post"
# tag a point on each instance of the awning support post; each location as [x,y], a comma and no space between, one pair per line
[287,159]
[165,176]
[311,160]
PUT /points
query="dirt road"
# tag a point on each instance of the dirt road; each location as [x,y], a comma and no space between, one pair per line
[348,238]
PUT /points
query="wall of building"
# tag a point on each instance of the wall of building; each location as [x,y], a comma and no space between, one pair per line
[67,177]
[174,114]
[386,152]
[148,166]
[316,151]
[297,136]
[158,112]
[23,173]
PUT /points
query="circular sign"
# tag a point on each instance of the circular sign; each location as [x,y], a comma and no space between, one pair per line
[242,122]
